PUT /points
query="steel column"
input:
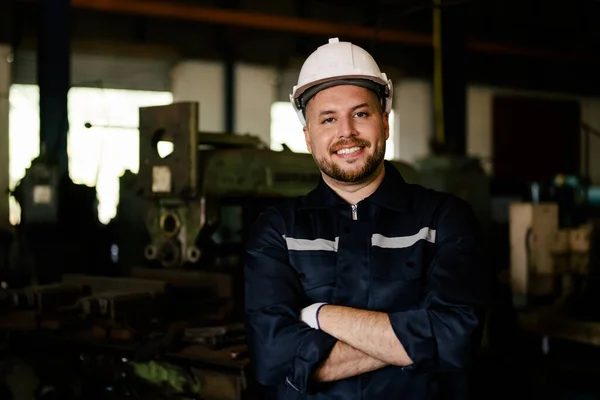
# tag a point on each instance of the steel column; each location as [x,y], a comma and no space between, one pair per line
[449,79]
[54,79]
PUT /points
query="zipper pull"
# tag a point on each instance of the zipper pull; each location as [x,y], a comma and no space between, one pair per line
[355,212]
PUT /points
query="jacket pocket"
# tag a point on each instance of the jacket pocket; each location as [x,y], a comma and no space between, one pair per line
[397,279]
[397,264]
[317,273]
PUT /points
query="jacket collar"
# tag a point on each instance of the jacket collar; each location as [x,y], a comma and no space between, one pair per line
[391,193]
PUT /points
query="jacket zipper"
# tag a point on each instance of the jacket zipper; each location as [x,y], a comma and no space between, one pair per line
[355,212]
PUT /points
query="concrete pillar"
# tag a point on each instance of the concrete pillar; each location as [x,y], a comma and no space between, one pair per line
[414,119]
[255,93]
[479,125]
[201,81]
[5,80]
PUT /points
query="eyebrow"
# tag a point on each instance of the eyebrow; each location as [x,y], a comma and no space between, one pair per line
[328,112]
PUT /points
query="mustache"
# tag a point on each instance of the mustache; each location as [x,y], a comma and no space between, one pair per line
[355,142]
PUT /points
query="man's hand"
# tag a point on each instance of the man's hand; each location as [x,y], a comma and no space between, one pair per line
[367,331]
[345,361]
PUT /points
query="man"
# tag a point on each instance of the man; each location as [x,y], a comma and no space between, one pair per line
[368,287]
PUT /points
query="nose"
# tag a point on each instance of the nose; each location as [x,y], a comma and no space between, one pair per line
[347,128]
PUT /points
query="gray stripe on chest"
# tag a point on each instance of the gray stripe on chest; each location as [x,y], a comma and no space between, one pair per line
[377,240]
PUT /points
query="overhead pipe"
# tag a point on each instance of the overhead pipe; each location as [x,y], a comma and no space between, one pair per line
[246,19]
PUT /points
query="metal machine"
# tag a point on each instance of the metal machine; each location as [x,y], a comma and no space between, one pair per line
[177,244]
[554,264]
[461,176]
[184,218]
[201,191]
[552,239]
[547,261]
[200,199]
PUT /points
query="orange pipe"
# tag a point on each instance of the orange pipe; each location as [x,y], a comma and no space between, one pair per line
[251,20]
[164,9]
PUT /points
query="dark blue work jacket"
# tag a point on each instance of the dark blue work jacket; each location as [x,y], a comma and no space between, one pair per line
[413,253]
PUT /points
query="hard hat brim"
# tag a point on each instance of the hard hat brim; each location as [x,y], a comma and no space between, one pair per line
[299,91]
[375,86]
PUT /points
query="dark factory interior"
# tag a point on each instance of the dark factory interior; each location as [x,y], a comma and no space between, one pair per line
[141,139]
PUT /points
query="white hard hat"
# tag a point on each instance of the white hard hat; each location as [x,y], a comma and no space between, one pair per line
[339,63]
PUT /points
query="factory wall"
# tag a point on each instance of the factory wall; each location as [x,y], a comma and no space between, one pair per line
[480,131]
[111,67]
[255,93]
[590,110]
[203,81]
[258,87]
[414,108]
[5,79]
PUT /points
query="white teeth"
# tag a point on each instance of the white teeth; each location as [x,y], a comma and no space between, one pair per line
[348,151]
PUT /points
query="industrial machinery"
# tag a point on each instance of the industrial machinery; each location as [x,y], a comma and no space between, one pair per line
[54,212]
[546,260]
[462,176]
[554,265]
[551,238]
[178,244]
[200,199]
[209,184]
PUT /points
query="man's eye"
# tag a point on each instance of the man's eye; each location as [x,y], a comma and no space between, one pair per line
[327,120]
[362,114]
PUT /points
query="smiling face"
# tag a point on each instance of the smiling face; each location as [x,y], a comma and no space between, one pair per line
[346,132]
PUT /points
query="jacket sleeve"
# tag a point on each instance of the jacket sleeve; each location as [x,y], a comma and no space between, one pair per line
[283,349]
[443,334]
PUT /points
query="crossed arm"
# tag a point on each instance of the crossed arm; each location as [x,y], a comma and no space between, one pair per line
[366,342]
[345,361]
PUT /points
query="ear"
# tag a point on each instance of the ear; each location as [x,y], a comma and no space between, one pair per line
[386,125]
[307,138]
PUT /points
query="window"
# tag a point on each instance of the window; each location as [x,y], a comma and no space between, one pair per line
[23,137]
[287,129]
[98,155]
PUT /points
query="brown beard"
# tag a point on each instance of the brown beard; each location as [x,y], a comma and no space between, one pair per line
[335,172]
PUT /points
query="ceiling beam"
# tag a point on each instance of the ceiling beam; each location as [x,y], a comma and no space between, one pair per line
[246,19]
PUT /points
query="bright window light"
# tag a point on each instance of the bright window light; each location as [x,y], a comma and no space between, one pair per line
[23,137]
[98,155]
[164,148]
[287,129]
